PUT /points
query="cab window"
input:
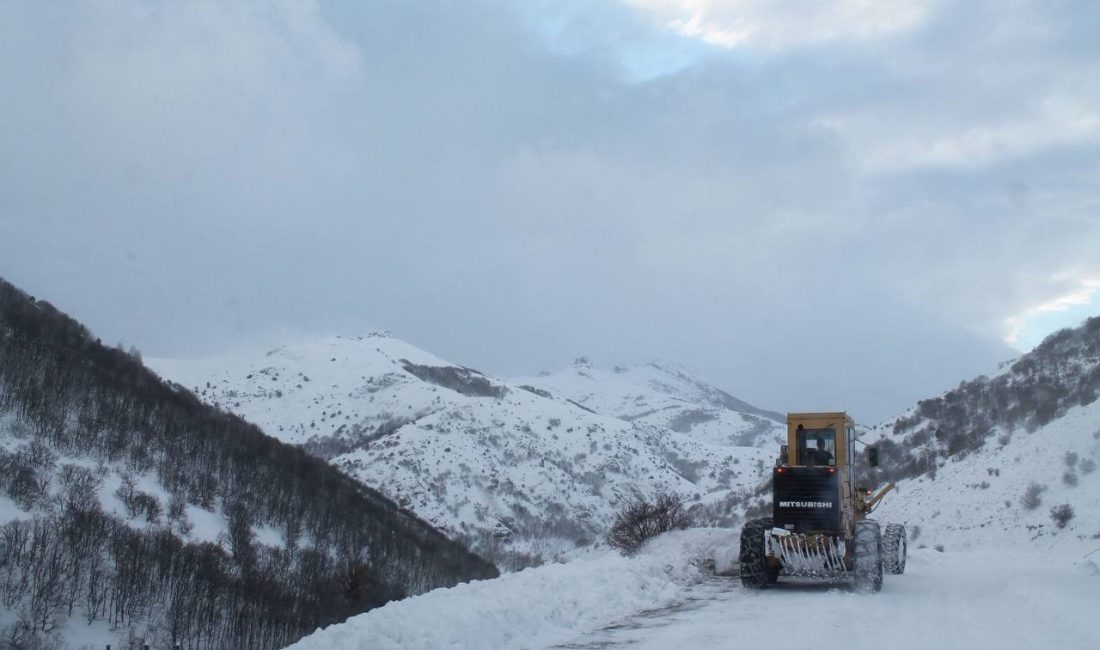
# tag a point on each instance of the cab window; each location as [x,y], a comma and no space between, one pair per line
[816,447]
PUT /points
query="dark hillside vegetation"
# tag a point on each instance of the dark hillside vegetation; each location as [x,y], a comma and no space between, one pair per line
[1038,388]
[461,380]
[64,396]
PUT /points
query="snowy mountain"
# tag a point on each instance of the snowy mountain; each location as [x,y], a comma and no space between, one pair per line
[664,395]
[509,466]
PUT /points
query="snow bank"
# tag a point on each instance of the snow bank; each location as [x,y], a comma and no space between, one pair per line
[536,607]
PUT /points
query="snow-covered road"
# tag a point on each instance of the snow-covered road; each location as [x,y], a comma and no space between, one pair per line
[945,600]
[663,599]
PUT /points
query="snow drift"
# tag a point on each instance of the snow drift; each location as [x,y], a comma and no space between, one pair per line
[537,607]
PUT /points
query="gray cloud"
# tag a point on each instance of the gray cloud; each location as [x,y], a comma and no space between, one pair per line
[845,224]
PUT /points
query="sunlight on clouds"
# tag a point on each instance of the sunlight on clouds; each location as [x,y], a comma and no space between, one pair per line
[1025,330]
[770,25]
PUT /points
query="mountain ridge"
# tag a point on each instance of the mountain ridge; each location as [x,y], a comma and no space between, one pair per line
[504,464]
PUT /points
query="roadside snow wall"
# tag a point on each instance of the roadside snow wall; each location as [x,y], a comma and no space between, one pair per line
[536,607]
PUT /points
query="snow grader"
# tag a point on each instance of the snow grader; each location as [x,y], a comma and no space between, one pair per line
[819,526]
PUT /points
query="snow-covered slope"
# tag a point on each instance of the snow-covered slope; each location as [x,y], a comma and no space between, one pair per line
[665,395]
[131,512]
[328,389]
[505,466]
[967,458]
[978,501]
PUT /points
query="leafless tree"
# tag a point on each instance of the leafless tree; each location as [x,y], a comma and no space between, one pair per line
[640,519]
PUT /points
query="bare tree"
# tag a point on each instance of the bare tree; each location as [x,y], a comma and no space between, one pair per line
[641,519]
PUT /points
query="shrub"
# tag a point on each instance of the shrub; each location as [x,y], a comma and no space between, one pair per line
[641,519]
[1033,496]
[1061,514]
[1070,479]
[148,505]
[1071,459]
[1087,466]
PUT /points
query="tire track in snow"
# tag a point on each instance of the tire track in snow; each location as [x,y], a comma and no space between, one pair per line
[950,601]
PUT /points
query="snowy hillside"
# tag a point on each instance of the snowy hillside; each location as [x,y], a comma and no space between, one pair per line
[664,395]
[985,499]
[968,460]
[130,511]
[507,467]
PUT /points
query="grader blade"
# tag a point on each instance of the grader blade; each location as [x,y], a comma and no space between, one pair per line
[809,556]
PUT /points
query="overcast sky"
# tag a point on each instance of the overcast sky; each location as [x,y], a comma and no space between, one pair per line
[853,206]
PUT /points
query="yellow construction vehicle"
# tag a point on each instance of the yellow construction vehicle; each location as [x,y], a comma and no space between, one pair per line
[819,526]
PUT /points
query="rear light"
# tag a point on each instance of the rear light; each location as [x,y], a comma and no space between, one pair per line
[830,470]
[780,470]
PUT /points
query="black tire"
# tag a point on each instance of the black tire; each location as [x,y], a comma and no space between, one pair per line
[894,549]
[753,557]
[867,556]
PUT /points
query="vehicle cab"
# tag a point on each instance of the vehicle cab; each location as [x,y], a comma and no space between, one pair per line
[813,475]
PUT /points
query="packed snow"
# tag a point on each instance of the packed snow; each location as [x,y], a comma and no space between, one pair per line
[534,608]
[666,598]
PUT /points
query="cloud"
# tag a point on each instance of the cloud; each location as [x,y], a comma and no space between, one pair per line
[512,184]
[770,25]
